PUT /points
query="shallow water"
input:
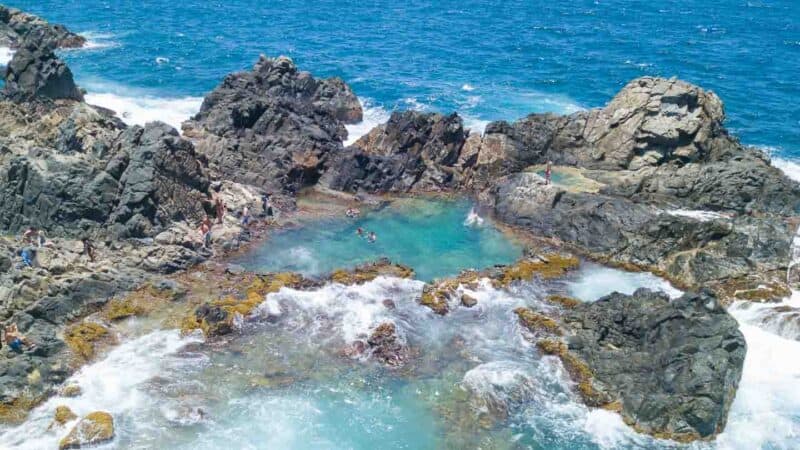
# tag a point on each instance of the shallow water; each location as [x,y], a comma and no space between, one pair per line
[435,238]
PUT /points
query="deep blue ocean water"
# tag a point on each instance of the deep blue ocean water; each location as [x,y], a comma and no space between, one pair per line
[487,60]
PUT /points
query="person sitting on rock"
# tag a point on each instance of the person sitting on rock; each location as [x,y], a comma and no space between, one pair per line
[15,340]
[372,237]
[27,257]
[30,235]
[88,248]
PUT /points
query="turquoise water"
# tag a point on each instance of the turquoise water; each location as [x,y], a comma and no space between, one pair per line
[433,237]
[488,60]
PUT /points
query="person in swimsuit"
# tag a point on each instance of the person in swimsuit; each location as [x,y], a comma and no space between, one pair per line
[15,340]
[548,173]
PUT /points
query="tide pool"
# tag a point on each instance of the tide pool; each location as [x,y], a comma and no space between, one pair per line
[435,238]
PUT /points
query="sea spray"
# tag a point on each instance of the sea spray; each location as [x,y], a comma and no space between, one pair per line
[139,110]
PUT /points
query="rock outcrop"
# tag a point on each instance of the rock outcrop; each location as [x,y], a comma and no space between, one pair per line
[412,151]
[70,167]
[36,72]
[16,26]
[274,127]
[670,367]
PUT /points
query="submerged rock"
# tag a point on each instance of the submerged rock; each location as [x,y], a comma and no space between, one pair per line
[671,368]
[386,346]
[95,428]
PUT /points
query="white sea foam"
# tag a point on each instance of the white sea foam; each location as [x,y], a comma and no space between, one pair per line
[697,214]
[764,413]
[5,55]
[139,110]
[467,87]
[595,281]
[96,41]
[474,124]
[789,167]
[114,384]
[473,219]
[373,116]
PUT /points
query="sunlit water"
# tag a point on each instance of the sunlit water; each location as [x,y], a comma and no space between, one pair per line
[475,381]
[435,238]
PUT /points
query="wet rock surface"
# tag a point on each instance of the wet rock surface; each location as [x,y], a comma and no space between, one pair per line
[95,428]
[671,368]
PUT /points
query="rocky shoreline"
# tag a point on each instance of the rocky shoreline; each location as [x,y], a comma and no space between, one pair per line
[630,181]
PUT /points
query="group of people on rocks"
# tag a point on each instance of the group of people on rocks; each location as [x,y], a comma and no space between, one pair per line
[245,217]
[34,238]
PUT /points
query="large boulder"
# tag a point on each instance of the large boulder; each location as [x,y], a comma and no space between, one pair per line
[275,126]
[16,26]
[412,151]
[670,367]
[35,72]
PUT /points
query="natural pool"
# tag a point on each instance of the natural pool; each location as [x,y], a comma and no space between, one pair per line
[476,380]
[435,238]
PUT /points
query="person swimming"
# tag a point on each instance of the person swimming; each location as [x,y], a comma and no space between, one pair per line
[372,237]
[360,232]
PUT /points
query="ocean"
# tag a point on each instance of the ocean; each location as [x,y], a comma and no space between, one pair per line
[486,60]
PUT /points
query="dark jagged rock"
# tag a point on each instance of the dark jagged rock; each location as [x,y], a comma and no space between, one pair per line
[16,26]
[412,150]
[670,367]
[275,126]
[694,252]
[35,72]
[140,181]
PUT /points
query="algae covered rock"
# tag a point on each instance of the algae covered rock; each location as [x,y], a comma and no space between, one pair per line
[369,271]
[386,346]
[93,429]
[63,415]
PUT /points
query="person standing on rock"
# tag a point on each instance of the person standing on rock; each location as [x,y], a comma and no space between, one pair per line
[548,173]
[205,231]
[41,239]
[219,205]
[245,216]
[266,205]
[88,248]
